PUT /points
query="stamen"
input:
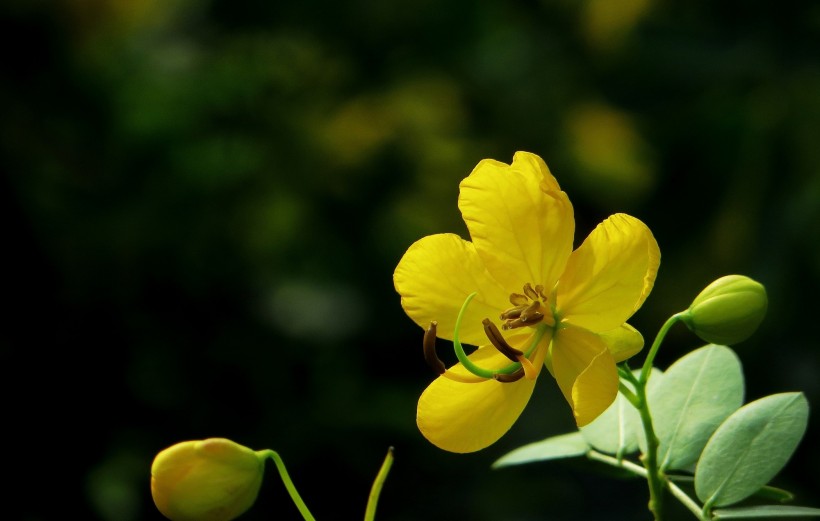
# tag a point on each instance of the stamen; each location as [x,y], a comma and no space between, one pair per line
[512,324]
[435,362]
[509,378]
[462,356]
[429,345]
[517,299]
[531,314]
[528,291]
[539,288]
[497,340]
[512,312]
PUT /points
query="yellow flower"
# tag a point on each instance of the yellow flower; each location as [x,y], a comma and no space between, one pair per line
[206,480]
[559,308]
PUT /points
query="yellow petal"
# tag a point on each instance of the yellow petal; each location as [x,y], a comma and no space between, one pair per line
[520,222]
[466,417]
[610,275]
[623,342]
[585,372]
[436,275]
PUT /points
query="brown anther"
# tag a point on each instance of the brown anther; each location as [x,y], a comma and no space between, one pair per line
[512,312]
[540,290]
[497,340]
[429,344]
[531,293]
[517,299]
[531,314]
[508,378]
[512,324]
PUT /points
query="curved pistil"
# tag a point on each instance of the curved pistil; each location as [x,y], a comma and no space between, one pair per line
[520,367]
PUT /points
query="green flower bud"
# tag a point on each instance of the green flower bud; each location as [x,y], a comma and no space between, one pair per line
[206,480]
[728,311]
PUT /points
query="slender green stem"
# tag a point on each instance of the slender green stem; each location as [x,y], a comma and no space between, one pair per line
[650,457]
[623,464]
[650,357]
[629,395]
[676,491]
[375,491]
[283,473]
[626,373]
[687,501]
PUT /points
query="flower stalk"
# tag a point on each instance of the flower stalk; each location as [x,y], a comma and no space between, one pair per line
[283,473]
[654,475]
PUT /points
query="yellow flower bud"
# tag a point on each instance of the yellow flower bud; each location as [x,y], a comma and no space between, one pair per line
[728,311]
[206,480]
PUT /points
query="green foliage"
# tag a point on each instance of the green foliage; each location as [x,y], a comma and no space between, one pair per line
[750,447]
[765,511]
[618,430]
[696,394]
[699,422]
[556,447]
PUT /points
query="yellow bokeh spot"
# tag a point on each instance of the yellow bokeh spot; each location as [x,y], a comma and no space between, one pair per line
[607,23]
[614,163]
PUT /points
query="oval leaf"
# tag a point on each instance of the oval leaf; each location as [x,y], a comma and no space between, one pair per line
[619,430]
[556,447]
[616,430]
[697,393]
[765,511]
[750,447]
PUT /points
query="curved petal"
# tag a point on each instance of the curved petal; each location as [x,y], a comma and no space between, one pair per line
[610,275]
[436,275]
[466,417]
[623,342]
[585,372]
[519,220]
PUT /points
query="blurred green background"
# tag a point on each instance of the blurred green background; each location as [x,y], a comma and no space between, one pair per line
[205,201]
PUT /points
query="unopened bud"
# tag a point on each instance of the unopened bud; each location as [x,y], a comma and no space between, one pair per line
[206,480]
[728,311]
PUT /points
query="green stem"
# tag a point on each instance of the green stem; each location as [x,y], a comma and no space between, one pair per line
[626,373]
[375,491]
[650,457]
[687,501]
[650,357]
[283,473]
[676,491]
[629,395]
[623,464]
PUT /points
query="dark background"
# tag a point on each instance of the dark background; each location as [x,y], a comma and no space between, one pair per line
[204,202]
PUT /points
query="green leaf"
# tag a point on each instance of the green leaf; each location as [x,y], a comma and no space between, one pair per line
[764,493]
[696,394]
[616,430]
[556,447]
[774,494]
[765,511]
[750,447]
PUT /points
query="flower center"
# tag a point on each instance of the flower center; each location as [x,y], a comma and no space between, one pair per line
[528,309]
[521,366]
